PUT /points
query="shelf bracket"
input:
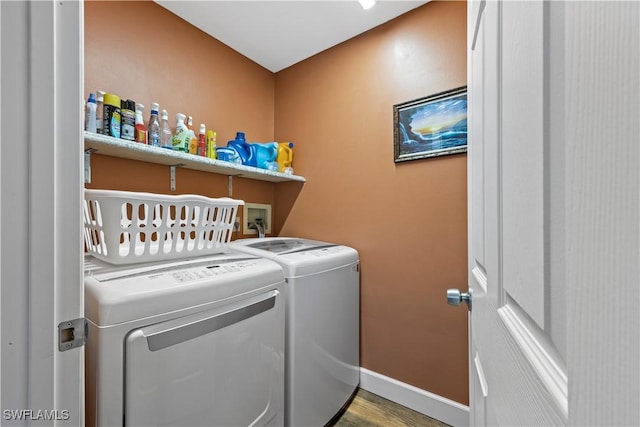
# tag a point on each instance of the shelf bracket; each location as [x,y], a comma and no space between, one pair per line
[172,175]
[87,165]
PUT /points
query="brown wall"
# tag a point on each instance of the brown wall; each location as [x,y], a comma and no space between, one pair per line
[407,220]
[141,51]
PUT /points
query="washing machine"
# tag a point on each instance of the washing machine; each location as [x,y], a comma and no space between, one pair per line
[192,342]
[322,332]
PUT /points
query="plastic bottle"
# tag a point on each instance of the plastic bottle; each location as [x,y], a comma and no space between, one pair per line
[202,141]
[211,144]
[90,119]
[111,119]
[165,132]
[285,155]
[99,112]
[141,130]
[193,140]
[243,149]
[265,155]
[128,128]
[180,140]
[153,128]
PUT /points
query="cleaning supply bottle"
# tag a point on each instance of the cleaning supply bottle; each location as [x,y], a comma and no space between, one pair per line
[243,149]
[90,124]
[128,128]
[285,155]
[165,132]
[99,112]
[202,141]
[180,140]
[141,130]
[265,154]
[153,128]
[211,144]
[111,119]
[193,140]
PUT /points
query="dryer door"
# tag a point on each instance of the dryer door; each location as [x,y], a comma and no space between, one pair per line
[221,367]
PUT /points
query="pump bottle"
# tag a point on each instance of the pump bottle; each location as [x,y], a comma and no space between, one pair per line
[165,132]
[100,112]
[180,140]
[141,130]
[202,141]
[193,141]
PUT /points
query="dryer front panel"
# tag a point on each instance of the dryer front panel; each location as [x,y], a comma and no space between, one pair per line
[221,367]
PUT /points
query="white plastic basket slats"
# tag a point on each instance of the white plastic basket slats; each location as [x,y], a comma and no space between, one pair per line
[123,227]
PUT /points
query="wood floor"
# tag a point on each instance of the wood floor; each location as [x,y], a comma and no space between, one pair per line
[370,410]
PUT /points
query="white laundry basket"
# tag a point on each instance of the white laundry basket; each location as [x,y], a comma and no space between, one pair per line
[122,227]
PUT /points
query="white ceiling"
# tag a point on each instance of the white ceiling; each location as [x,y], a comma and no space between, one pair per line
[277,34]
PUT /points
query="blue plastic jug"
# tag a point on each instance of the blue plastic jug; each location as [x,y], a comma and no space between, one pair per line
[258,155]
[243,148]
[265,153]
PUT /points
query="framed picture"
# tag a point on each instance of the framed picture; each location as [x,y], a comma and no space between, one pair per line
[431,126]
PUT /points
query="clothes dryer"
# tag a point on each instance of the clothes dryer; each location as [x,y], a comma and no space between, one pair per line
[193,342]
[322,330]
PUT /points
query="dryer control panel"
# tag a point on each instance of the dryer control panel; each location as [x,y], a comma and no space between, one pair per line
[191,274]
[176,272]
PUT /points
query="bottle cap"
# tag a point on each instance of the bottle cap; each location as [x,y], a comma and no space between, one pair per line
[100,95]
[155,106]
[239,135]
[140,107]
[92,98]
[180,117]
[190,121]
[111,99]
[203,128]
[165,115]
[127,105]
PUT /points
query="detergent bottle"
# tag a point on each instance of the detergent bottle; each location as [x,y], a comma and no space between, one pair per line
[285,155]
[180,140]
[193,139]
[243,149]
[265,153]
[202,141]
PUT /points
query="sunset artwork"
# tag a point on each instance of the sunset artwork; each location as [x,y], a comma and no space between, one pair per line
[432,126]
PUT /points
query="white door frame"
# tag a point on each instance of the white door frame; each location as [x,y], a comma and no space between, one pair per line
[40,210]
[602,228]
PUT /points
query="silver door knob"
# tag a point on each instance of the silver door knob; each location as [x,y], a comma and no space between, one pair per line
[455,297]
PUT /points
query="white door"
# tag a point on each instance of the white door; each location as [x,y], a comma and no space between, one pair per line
[40,212]
[554,212]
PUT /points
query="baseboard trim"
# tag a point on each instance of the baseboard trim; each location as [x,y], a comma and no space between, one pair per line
[429,404]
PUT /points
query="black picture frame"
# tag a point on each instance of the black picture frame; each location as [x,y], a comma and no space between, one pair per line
[432,126]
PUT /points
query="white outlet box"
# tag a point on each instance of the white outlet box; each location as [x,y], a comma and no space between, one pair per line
[253,211]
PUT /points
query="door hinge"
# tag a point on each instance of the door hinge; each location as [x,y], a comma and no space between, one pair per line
[72,334]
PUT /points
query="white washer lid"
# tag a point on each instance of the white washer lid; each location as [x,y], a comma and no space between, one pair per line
[298,257]
[282,245]
[117,294]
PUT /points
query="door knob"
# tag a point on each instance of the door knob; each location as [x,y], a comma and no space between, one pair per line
[455,297]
